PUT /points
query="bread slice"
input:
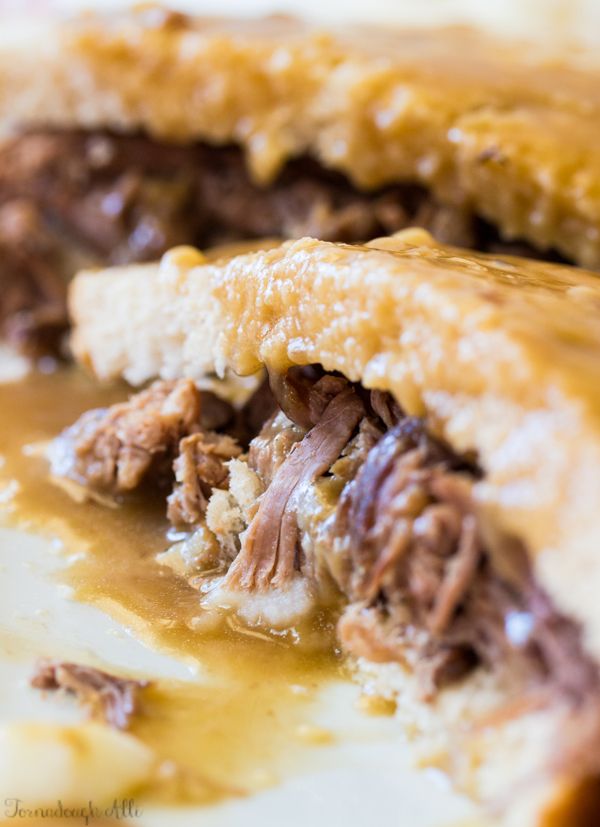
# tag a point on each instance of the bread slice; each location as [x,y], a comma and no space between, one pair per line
[501,358]
[507,131]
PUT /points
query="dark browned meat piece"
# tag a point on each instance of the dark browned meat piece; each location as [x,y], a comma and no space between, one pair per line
[124,198]
[32,291]
[386,408]
[303,393]
[251,417]
[115,449]
[215,413]
[111,699]
[379,506]
[199,467]
[448,224]
[128,198]
[97,200]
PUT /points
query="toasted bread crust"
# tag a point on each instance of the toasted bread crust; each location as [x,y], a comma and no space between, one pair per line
[496,127]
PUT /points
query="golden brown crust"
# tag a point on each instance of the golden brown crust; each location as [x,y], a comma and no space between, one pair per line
[498,127]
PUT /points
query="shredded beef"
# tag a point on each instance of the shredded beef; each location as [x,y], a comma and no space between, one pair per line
[115,449]
[200,466]
[32,293]
[407,547]
[356,451]
[504,624]
[425,580]
[386,408]
[442,665]
[251,417]
[269,554]
[303,393]
[418,574]
[270,448]
[460,572]
[378,508]
[113,700]
[102,198]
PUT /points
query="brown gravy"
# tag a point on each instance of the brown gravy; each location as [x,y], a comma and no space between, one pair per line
[227,735]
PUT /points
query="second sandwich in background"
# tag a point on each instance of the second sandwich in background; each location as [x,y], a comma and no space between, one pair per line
[126,134]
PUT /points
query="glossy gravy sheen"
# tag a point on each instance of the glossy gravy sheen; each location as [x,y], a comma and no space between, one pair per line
[246,720]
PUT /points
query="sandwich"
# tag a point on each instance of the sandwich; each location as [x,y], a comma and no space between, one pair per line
[126,134]
[415,449]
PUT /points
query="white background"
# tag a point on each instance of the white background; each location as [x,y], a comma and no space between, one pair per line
[547,19]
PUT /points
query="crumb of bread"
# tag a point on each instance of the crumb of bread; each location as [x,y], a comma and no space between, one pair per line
[275,608]
[224,515]
[229,512]
[198,551]
[245,487]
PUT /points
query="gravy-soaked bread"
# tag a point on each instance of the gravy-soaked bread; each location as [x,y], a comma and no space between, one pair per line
[493,364]
[501,355]
[506,131]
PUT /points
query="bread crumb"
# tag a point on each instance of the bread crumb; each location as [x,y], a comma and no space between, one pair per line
[245,486]
[198,551]
[229,512]
[223,514]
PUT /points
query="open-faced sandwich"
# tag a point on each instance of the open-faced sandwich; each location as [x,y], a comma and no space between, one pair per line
[126,134]
[398,434]
[423,458]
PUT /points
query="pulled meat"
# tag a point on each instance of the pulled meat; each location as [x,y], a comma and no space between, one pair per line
[111,699]
[32,293]
[114,450]
[270,448]
[407,547]
[92,198]
[515,623]
[406,544]
[389,508]
[253,414]
[304,392]
[269,553]
[200,467]
[418,575]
